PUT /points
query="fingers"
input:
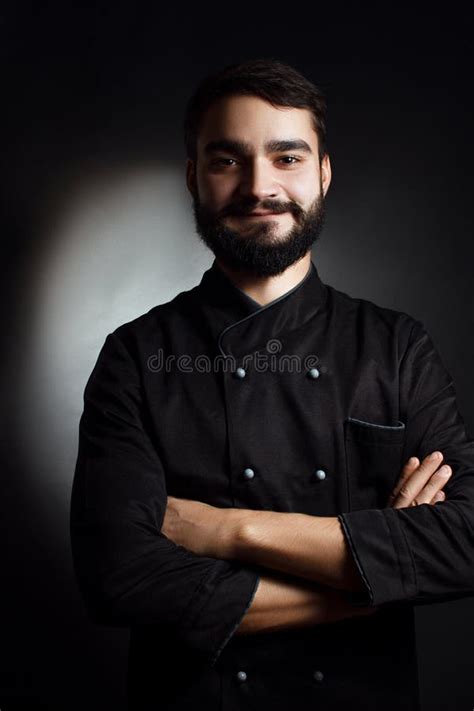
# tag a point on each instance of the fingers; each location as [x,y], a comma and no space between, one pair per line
[432,487]
[439,496]
[412,464]
[420,484]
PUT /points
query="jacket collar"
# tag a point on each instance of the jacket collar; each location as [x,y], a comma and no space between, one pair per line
[239,325]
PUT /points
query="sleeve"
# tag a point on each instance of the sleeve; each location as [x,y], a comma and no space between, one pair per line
[128,572]
[422,554]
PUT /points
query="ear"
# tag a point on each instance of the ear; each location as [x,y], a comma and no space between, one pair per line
[326,173]
[191,177]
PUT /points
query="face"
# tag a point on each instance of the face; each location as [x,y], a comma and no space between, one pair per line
[254,158]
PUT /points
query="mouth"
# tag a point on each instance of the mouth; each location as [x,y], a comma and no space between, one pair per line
[261,215]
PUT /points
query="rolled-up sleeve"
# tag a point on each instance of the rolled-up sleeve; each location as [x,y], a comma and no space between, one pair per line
[425,553]
[128,572]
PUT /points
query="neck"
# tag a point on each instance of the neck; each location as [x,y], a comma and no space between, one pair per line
[265,289]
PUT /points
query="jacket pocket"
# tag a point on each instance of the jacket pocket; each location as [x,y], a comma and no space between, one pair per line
[373,462]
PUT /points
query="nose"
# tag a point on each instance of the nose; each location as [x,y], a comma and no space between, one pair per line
[258,180]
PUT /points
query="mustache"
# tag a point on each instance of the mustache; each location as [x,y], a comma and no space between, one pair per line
[244,208]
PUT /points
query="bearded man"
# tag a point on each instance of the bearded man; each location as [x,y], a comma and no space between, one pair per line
[265,512]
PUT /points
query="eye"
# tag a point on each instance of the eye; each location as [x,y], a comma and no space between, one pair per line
[290,158]
[222,161]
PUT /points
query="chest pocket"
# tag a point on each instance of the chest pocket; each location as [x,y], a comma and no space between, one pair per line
[373,462]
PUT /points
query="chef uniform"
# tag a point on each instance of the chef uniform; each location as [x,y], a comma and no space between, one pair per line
[310,404]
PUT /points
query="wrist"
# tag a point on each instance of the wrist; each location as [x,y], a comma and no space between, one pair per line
[231,533]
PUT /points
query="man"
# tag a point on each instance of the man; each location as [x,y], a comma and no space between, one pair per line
[259,490]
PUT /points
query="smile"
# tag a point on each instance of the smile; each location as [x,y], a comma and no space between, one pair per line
[263,216]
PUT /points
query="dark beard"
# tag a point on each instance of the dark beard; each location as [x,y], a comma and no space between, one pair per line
[257,251]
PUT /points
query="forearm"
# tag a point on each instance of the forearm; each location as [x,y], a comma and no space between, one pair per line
[311,547]
[282,603]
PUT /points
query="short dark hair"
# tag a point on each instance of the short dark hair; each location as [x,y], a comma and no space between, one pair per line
[270,79]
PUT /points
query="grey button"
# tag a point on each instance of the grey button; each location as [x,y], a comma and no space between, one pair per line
[249,473]
[318,675]
[320,474]
[313,373]
[241,676]
[240,373]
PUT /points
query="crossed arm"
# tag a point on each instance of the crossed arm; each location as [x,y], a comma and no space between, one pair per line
[125,529]
[311,548]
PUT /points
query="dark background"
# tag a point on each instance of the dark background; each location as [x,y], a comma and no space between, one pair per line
[94,95]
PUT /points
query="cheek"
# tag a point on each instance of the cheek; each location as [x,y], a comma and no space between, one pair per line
[215,190]
[302,188]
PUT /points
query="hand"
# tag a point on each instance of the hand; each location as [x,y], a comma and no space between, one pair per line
[421,483]
[199,527]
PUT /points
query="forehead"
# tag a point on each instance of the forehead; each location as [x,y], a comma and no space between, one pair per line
[254,121]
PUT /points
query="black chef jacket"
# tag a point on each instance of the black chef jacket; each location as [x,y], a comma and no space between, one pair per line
[311,404]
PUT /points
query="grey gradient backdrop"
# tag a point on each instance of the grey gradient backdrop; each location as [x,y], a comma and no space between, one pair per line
[97,228]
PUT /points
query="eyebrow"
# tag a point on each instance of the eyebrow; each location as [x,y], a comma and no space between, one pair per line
[244,149]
